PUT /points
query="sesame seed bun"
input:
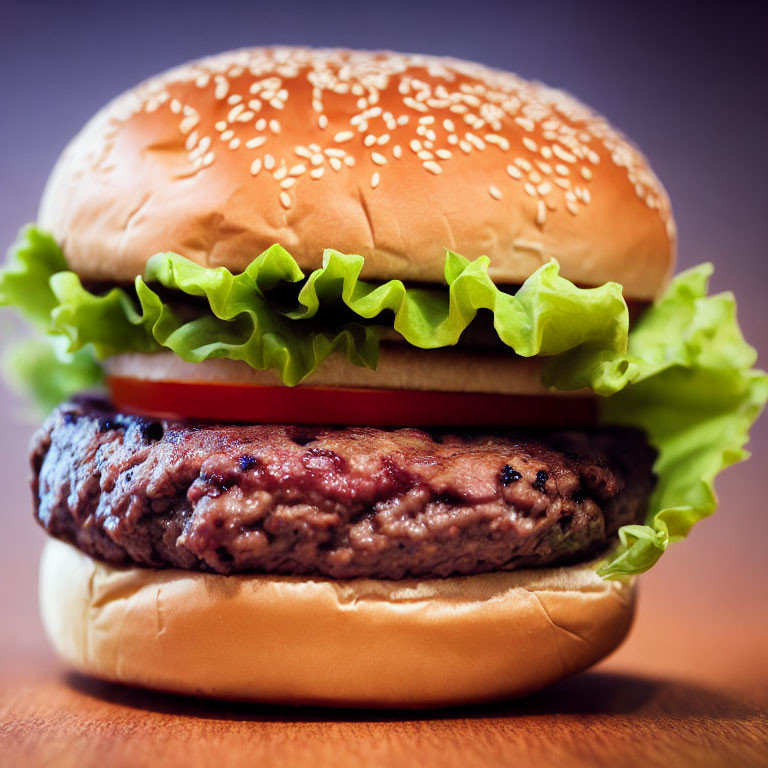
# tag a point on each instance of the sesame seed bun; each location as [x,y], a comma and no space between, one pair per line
[363,642]
[391,156]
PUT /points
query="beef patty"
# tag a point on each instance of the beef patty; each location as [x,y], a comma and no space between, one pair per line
[333,502]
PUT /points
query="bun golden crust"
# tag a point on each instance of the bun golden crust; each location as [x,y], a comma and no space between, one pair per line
[391,156]
[318,641]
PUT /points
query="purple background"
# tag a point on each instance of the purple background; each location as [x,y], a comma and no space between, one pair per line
[686,82]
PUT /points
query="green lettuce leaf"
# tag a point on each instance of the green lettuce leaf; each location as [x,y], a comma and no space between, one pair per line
[695,394]
[684,374]
[255,317]
[43,370]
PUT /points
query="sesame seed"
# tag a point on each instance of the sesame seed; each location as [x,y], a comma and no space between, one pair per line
[514,172]
[425,154]
[343,136]
[465,146]
[572,208]
[188,123]
[191,140]
[403,120]
[546,152]
[221,125]
[369,140]
[255,142]
[541,213]
[586,195]
[333,152]
[208,158]
[453,139]
[221,90]
[432,167]
[269,162]
[280,173]
[521,162]
[561,182]
[317,173]
[494,192]
[274,126]
[255,104]
[586,173]
[526,123]
[444,154]
[568,157]
[375,179]
[378,158]
[472,139]
[544,167]
[413,104]
[349,161]
[234,112]
[175,106]
[535,177]
[336,164]
[530,144]
[544,188]
[285,200]
[227,135]
[298,169]
[499,141]
[261,124]
[234,99]
[234,144]
[562,170]
[397,151]
[302,151]
[255,167]
[287,183]
[427,120]
[448,125]
[383,139]
[322,122]
[530,189]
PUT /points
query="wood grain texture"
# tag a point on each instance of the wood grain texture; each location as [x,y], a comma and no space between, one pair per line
[597,719]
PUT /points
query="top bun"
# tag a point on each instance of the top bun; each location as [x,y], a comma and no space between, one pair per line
[395,157]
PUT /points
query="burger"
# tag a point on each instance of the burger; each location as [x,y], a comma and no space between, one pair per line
[369,383]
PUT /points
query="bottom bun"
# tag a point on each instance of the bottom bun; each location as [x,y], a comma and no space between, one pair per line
[410,643]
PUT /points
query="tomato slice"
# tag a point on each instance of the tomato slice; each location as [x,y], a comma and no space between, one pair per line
[204,401]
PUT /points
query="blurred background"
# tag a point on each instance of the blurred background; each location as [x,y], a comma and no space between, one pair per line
[685,80]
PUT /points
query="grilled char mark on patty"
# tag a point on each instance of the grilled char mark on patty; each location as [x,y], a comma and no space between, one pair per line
[343,503]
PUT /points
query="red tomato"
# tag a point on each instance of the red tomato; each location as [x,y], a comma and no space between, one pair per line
[204,401]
